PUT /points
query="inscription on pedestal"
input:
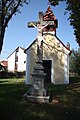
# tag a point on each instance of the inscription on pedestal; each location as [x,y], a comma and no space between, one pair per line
[37,85]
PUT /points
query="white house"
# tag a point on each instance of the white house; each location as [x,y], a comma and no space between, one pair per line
[17,60]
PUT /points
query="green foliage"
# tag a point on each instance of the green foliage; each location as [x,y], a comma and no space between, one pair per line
[73,7]
[3,74]
[6,74]
[20,74]
[75,61]
[54,2]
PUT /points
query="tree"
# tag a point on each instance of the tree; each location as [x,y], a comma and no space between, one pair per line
[8,8]
[73,7]
[75,62]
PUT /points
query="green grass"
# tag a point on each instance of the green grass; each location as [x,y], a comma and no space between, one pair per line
[12,107]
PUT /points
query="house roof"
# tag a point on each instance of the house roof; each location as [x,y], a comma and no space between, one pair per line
[4,63]
[64,45]
[16,50]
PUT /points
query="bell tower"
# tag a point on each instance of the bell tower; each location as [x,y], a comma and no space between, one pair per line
[48,16]
[45,18]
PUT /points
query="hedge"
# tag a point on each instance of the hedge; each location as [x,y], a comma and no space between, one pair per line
[6,74]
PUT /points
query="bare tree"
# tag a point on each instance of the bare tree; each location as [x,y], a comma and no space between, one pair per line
[8,8]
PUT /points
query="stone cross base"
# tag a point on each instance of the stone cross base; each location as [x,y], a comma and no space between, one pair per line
[37,91]
[40,99]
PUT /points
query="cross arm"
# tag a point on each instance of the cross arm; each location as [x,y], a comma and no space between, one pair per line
[32,24]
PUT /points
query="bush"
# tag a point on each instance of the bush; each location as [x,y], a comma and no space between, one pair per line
[11,75]
[20,74]
[6,74]
[3,74]
[75,79]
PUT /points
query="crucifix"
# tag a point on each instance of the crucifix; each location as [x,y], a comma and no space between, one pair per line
[39,26]
[39,38]
[37,91]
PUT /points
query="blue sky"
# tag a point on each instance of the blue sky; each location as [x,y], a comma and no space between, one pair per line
[18,34]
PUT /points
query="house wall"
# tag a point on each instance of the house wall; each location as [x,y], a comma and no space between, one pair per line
[66,68]
[21,60]
[27,78]
[11,62]
[54,50]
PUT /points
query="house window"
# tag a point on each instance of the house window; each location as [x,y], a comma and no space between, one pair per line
[24,62]
[16,59]
[16,66]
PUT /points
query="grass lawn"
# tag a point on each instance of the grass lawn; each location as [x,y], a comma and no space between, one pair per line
[65,103]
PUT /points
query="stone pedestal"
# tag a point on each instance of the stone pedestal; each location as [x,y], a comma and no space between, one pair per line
[40,99]
[37,91]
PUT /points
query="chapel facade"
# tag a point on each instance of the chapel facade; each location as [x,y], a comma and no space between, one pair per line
[55,54]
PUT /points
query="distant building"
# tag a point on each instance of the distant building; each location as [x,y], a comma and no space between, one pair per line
[17,60]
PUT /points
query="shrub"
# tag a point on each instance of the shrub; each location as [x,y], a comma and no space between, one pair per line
[6,74]
[11,75]
[3,74]
[20,74]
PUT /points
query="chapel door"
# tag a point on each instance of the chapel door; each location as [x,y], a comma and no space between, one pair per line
[47,70]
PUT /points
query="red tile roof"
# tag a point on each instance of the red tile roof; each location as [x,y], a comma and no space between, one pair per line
[49,15]
[4,63]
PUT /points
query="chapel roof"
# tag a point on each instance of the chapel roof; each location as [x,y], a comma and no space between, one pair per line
[57,39]
[49,15]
